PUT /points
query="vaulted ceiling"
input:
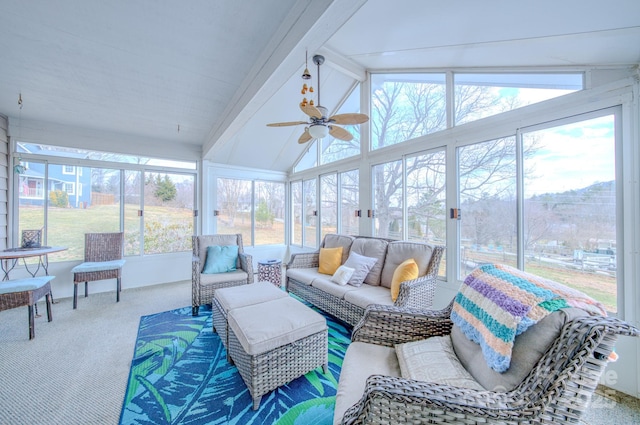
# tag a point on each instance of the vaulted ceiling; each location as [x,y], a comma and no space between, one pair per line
[209,75]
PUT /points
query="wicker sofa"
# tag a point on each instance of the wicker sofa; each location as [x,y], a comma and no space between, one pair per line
[347,302]
[555,368]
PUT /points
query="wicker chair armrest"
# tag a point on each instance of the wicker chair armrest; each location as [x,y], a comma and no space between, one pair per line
[449,404]
[246,264]
[304,260]
[417,293]
[391,325]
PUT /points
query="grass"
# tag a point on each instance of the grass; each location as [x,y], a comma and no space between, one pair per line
[68,225]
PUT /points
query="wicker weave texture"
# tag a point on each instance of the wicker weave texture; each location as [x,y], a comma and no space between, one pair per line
[267,371]
[28,298]
[557,390]
[202,294]
[417,293]
[100,247]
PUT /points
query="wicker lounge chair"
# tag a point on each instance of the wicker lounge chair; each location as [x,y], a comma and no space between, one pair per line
[203,285]
[102,260]
[557,390]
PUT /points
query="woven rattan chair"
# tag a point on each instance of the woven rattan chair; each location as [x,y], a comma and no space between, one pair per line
[102,260]
[557,390]
[203,285]
[21,292]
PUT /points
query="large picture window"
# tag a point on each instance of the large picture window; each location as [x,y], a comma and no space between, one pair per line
[67,201]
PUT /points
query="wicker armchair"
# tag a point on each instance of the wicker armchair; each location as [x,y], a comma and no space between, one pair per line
[557,390]
[102,260]
[203,285]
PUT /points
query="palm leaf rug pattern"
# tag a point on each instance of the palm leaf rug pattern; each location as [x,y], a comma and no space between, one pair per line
[180,375]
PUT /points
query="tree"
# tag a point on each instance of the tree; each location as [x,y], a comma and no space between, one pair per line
[165,189]
[264,217]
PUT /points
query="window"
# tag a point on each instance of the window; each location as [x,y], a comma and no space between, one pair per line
[168,212]
[309,159]
[406,106]
[88,198]
[328,204]
[570,206]
[269,216]
[334,149]
[234,207]
[487,191]
[69,188]
[482,95]
[350,202]
[387,200]
[296,213]
[426,200]
[310,213]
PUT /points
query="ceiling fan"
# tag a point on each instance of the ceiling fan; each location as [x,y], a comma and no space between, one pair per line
[319,125]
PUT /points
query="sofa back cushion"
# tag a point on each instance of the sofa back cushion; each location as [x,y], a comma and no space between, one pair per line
[398,252]
[374,248]
[332,240]
[528,348]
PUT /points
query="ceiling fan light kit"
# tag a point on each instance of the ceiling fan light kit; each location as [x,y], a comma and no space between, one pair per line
[319,126]
[318,131]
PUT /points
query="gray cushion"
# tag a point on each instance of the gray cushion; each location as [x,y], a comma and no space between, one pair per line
[528,348]
[25,284]
[304,275]
[369,294]
[234,276]
[98,266]
[334,241]
[262,327]
[361,266]
[326,285]
[399,251]
[433,360]
[361,361]
[373,248]
[244,295]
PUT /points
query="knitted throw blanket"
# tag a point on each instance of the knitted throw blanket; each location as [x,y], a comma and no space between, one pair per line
[498,302]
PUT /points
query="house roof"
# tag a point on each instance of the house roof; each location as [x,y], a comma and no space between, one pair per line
[202,78]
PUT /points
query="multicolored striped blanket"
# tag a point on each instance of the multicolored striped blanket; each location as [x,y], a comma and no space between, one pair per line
[497,302]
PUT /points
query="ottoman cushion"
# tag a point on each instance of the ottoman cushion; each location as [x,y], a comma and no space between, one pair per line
[244,295]
[262,327]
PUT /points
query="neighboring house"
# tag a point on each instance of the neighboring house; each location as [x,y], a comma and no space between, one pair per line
[75,181]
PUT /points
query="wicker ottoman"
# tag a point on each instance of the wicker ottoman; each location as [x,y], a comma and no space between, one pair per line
[226,299]
[274,342]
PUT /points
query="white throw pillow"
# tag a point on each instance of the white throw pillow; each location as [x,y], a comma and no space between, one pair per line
[434,360]
[361,266]
[342,275]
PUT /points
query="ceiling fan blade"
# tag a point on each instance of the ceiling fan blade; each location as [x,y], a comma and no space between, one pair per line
[284,124]
[340,133]
[349,119]
[312,111]
[305,137]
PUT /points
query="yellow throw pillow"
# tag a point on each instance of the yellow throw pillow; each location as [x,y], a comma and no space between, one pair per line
[407,270]
[330,259]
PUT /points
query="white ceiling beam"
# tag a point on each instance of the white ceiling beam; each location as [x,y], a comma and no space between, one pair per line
[343,64]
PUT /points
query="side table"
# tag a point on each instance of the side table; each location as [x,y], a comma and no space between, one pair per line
[270,271]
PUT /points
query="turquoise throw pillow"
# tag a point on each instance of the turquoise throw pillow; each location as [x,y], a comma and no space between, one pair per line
[220,259]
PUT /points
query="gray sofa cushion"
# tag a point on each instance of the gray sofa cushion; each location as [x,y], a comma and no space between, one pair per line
[374,248]
[334,241]
[361,361]
[369,294]
[305,275]
[399,251]
[528,348]
[326,285]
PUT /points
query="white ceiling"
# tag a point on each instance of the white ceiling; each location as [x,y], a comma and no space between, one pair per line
[220,70]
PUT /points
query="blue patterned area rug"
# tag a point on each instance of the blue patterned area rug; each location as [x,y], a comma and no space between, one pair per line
[180,375]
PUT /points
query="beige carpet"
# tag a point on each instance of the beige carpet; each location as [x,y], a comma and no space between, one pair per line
[75,371]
